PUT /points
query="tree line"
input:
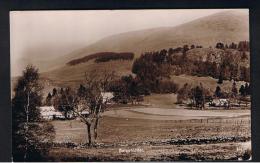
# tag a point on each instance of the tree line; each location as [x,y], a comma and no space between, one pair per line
[199,95]
[241,46]
[103,57]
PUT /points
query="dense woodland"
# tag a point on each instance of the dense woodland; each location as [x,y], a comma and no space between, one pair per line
[177,61]
[103,57]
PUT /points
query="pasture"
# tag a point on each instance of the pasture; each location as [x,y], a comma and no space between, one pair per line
[151,131]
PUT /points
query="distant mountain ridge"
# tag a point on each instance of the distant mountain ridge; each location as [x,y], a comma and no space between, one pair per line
[228,26]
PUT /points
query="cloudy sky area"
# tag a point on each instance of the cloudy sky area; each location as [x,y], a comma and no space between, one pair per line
[43,35]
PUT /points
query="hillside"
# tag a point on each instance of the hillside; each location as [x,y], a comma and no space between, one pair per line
[70,75]
[227,27]
[208,82]
[74,75]
[217,55]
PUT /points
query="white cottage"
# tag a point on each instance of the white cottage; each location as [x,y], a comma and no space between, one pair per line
[222,102]
[107,96]
[49,113]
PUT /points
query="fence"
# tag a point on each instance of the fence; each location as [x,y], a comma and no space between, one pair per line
[217,120]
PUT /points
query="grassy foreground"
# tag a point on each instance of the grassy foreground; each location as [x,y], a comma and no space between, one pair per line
[142,139]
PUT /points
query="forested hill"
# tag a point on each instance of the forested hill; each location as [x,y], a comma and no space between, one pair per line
[231,61]
[225,61]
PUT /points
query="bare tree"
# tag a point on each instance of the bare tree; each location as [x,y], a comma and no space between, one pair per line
[89,106]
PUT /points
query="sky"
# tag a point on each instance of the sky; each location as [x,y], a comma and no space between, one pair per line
[43,35]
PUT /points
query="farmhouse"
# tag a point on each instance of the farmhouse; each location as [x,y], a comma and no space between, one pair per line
[49,113]
[107,96]
[222,102]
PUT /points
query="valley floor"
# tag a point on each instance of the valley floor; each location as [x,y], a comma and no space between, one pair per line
[145,133]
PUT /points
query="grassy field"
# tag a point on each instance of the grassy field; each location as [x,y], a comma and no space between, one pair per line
[161,100]
[149,130]
[148,138]
[112,130]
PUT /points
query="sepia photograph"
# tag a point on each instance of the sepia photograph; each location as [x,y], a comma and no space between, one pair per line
[130,85]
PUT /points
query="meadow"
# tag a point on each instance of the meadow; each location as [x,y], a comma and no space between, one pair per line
[135,133]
